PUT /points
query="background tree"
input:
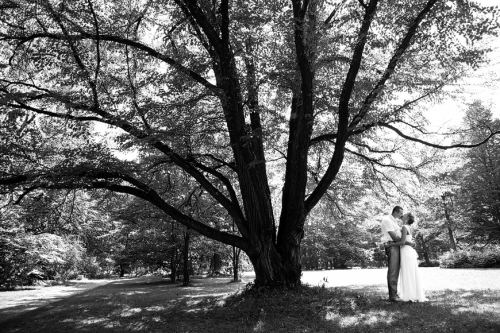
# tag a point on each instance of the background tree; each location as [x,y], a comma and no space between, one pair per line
[480,178]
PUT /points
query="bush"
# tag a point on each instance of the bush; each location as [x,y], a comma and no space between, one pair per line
[25,258]
[58,257]
[431,264]
[470,259]
[13,256]
[93,268]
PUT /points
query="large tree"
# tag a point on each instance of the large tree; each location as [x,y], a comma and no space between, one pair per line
[219,90]
[479,197]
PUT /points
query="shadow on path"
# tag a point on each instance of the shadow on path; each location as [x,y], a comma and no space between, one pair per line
[76,304]
[152,304]
[14,303]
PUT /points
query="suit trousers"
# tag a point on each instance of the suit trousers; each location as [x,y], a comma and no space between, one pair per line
[392,270]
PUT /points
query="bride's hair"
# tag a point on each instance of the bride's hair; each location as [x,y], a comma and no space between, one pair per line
[411,218]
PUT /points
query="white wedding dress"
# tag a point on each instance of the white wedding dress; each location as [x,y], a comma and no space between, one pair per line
[410,285]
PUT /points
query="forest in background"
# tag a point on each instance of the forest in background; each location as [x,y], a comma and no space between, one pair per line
[62,234]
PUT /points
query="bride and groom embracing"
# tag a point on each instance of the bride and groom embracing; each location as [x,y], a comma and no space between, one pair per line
[401,258]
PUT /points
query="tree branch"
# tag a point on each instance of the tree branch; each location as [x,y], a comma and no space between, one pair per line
[230,165]
[429,144]
[194,11]
[334,11]
[363,4]
[332,137]
[400,190]
[124,41]
[138,189]
[371,150]
[25,106]
[242,225]
[98,48]
[233,210]
[177,215]
[224,11]
[376,162]
[92,83]
[355,65]
[403,46]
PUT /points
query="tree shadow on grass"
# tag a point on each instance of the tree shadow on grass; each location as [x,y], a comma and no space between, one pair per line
[14,303]
[210,305]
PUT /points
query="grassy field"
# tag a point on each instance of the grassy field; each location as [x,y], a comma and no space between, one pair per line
[346,301]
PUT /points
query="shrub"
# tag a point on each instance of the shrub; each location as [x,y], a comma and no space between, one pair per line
[15,265]
[24,258]
[431,264]
[470,259]
[96,268]
[57,256]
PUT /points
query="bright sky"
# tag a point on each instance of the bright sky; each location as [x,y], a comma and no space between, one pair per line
[483,85]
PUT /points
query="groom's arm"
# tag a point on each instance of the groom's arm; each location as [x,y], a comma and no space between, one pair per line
[412,244]
[400,241]
[393,236]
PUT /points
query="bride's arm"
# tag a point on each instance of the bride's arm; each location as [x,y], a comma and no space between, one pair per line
[403,241]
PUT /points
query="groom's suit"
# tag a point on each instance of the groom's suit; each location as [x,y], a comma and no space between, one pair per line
[389,223]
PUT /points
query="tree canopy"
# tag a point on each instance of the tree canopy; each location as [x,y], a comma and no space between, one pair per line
[258,103]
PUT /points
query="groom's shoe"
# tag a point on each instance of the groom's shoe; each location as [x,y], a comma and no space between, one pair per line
[395,299]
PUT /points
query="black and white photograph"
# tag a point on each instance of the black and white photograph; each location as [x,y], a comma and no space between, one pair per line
[210,166]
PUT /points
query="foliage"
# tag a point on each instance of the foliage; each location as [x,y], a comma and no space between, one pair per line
[44,256]
[13,255]
[431,230]
[431,263]
[480,179]
[217,92]
[94,268]
[489,258]
[329,246]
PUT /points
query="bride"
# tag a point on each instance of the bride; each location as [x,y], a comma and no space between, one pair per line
[410,285]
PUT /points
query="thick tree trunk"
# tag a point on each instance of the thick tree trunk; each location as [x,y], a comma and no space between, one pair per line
[216,264]
[187,236]
[426,251]
[173,273]
[289,239]
[173,254]
[173,265]
[271,270]
[427,260]
[453,245]
[236,264]
[122,270]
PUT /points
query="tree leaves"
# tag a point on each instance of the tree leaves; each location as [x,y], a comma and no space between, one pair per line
[214,91]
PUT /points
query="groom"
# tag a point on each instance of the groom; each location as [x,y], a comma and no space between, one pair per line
[392,233]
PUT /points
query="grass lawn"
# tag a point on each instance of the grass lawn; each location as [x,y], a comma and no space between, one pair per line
[346,301]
